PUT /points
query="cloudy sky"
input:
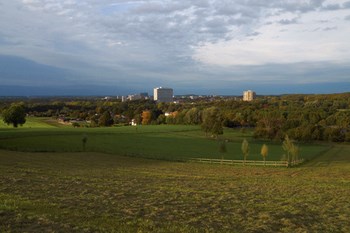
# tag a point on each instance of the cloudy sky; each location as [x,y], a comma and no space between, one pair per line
[94,47]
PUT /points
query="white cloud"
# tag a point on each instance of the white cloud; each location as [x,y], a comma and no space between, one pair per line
[310,40]
[174,39]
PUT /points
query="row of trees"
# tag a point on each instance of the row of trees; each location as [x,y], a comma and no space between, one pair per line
[302,117]
[291,150]
[245,150]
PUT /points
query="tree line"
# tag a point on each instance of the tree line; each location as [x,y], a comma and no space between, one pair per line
[302,117]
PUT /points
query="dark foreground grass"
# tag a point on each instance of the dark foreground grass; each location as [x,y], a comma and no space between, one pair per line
[166,142]
[93,192]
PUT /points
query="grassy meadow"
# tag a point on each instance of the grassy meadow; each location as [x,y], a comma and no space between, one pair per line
[94,192]
[33,122]
[136,179]
[166,142]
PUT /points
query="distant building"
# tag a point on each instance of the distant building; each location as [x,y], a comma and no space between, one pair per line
[140,96]
[134,97]
[249,95]
[162,94]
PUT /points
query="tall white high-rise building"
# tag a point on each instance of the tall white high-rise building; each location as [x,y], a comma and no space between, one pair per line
[162,94]
[249,95]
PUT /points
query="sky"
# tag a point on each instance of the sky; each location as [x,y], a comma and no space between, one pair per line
[217,47]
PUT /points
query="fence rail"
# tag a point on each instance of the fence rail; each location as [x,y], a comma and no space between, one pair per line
[248,162]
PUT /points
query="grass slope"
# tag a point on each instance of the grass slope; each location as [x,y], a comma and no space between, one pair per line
[93,192]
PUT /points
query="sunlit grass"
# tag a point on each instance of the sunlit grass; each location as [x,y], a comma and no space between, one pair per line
[31,122]
[94,192]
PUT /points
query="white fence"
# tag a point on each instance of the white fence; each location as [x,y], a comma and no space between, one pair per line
[248,162]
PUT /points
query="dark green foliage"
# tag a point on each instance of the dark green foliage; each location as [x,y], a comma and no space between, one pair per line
[193,116]
[84,141]
[75,124]
[302,117]
[212,121]
[270,125]
[105,119]
[14,115]
[334,134]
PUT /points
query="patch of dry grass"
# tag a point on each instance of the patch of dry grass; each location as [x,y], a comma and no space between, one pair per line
[91,192]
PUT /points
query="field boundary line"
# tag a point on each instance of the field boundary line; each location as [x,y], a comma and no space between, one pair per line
[248,162]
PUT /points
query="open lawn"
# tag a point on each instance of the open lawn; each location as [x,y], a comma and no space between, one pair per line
[95,192]
[33,122]
[167,142]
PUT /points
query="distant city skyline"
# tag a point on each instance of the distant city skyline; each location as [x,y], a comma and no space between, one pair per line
[202,47]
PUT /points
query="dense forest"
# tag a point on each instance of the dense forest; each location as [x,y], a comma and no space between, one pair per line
[302,117]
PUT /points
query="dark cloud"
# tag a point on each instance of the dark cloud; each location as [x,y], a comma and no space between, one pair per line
[288,21]
[331,7]
[297,6]
[346,5]
[253,34]
[142,43]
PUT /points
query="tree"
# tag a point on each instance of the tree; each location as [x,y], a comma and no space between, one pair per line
[94,120]
[14,115]
[161,119]
[270,125]
[146,117]
[138,119]
[291,149]
[245,149]
[180,117]
[287,147]
[105,119]
[212,121]
[84,141]
[75,124]
[264,152]
[334,134]
[193,117]
[295,152]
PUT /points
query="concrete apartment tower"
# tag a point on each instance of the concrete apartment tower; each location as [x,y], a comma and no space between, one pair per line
[249,95]
[162,94]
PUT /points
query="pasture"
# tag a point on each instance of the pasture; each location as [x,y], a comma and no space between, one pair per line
[113,186]
[165,142]
[94,192]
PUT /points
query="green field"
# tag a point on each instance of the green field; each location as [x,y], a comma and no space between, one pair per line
[94,192]
[167,142]
[33,122]
[113,186]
